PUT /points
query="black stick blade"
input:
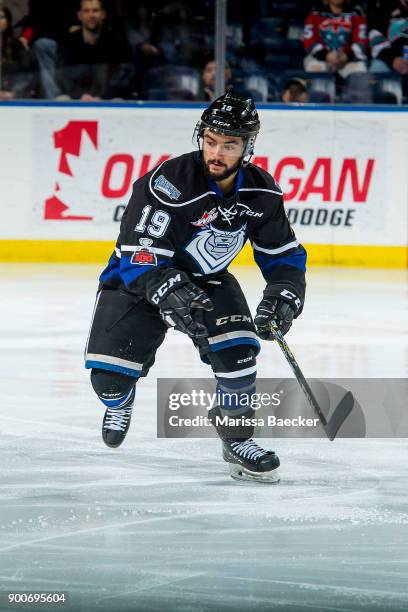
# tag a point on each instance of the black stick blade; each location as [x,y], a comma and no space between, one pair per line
[340,414]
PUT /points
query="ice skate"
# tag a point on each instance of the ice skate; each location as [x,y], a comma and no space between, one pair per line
[248,461]
[115,425]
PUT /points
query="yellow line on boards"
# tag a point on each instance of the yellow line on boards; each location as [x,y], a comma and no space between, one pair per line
[56,251]
[83,251]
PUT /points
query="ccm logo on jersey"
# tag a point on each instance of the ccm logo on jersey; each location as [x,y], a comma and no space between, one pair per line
[229,214]
[233,319]
[245,360]
[291,296]
[162,290]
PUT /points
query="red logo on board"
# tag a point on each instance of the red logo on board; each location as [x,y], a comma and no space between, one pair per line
[69,141]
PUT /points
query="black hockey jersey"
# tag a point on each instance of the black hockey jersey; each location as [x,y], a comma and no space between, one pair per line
[177,217]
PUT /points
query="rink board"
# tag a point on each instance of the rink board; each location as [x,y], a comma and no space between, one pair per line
[77,251]
[67,172]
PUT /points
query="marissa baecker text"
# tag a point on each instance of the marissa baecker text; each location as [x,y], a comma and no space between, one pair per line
[271,421]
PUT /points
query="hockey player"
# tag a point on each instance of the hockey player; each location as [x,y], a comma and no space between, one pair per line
[185,222]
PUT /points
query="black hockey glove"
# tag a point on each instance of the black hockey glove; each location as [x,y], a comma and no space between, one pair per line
[177,298]
[281,305]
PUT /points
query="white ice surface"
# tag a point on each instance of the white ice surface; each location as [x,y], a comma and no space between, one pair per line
[158,524]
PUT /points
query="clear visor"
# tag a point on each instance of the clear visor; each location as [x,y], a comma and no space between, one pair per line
[215,143]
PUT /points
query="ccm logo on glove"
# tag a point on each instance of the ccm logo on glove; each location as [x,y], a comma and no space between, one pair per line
[278,306]
[162,290]
[291,296]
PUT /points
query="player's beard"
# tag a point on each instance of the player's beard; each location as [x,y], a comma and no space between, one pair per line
[223,175]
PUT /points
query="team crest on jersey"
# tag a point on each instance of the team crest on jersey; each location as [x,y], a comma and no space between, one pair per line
[143,256]
[214,249]
[336,31]
[163,185]
[206,218]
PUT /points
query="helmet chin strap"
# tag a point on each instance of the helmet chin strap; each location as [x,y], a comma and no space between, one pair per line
[246,159]
[251,142]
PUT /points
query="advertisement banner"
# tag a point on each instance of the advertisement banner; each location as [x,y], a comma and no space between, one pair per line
[85,168]
[342,173]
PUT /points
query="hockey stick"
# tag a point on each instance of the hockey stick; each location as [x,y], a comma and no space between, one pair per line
[341,411]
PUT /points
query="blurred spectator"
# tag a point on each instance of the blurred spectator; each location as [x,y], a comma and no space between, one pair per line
[17,62]
[45,26]
[335,39]
[145,52]
[208,80]
[388,32]
[295,91]
[91,54]
[48,19]
[170,30]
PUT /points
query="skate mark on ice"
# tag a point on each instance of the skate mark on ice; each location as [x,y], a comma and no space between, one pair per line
[337,590]
[145,588]
[111,526]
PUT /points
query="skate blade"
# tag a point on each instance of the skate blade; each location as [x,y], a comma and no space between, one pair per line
[237,472]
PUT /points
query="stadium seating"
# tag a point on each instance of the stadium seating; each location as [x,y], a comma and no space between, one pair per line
[387,88]
[254,84]
[170,82]
[321,85]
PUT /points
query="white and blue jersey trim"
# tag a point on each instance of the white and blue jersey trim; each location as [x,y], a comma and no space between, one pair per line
[236,373]
[267,262]
[113,364]
[179,204]
[282,249]
[222,341]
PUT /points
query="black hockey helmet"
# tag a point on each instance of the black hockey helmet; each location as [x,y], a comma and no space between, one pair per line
[231,115]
